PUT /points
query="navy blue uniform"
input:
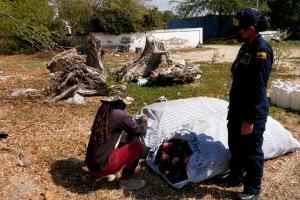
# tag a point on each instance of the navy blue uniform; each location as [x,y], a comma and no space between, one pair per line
[249,103]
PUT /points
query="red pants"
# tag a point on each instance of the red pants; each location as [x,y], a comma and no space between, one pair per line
[128,156]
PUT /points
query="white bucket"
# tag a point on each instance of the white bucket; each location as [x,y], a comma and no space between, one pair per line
[274,93]
[284,97]
[295,100]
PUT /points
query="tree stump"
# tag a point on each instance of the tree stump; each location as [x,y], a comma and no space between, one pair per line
[94,53]
[71,75]
[158,66]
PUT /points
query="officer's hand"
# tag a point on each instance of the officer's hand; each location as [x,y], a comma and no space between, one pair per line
[247,128]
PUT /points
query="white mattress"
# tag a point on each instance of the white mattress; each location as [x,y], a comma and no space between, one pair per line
[202,121]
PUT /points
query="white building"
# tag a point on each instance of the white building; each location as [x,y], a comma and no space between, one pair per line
[174,38]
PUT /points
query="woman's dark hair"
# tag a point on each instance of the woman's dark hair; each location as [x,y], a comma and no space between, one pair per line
[263,24]
[100,129]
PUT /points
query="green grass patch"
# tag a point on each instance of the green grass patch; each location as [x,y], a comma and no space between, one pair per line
[109,65]
[214,83]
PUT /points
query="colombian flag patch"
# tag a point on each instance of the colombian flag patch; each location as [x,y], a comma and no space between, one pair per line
[262,55]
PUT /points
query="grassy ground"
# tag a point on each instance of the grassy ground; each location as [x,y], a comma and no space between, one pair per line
[52,137]
[214,83]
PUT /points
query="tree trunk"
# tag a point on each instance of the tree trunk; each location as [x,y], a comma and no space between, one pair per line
[158,66]
[94,54]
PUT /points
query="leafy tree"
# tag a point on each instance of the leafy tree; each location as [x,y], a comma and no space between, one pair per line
[78,12]
[187,8]
[113,18]
[27,26]
[285,15]
[122,16]
[153,19]
[221,8]
[102,15]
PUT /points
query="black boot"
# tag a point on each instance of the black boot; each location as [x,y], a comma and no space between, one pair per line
[234,180]
[231,180]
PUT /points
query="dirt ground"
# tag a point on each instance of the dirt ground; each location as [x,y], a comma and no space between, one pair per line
[227,53]
[52,138]
[222,53]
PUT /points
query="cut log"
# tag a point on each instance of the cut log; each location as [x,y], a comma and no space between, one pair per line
[71,75]
[89,93]
[59,61]
[158,66]
[66,94]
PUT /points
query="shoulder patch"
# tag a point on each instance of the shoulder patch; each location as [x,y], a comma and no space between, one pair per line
[262,55]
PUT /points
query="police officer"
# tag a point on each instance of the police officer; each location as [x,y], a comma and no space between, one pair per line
[249,106]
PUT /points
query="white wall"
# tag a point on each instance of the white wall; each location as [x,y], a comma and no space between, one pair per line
[174,38]
[138,40]
[180,38]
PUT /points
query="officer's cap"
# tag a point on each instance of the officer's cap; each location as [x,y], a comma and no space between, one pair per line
[247,17]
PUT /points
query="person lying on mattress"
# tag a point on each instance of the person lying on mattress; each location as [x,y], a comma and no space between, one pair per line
[172,158]
[103,156]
